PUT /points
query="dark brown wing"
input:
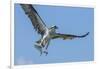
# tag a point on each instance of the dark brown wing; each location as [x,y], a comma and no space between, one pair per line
[36,20]
[68,36]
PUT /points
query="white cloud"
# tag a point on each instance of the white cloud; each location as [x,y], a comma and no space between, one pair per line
[23,61]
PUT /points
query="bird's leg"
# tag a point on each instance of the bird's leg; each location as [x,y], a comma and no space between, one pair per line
[46,47]
[40,53]
[43,41]
[48,42]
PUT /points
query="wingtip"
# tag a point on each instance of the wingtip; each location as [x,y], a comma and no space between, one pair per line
[86,34]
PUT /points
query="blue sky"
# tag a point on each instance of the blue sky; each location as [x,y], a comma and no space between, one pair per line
[70,20]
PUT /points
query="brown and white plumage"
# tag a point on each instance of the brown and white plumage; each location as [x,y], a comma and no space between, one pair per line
[36,20]
[67,36]
[47,34]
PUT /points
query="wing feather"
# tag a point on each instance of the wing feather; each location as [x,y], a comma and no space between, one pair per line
[68,36]
[36,20]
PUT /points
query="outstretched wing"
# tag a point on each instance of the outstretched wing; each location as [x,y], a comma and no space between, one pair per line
[36,20]
[68,36]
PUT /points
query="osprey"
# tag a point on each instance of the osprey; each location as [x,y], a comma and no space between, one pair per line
[47,34]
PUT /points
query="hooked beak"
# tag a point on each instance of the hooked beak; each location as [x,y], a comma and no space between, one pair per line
[56,27]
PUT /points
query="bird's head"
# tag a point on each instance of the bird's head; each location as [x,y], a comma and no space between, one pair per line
[55,27]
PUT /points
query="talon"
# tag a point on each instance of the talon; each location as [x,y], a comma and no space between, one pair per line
[46,53]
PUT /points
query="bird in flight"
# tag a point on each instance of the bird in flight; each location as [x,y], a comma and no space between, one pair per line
[47,34]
